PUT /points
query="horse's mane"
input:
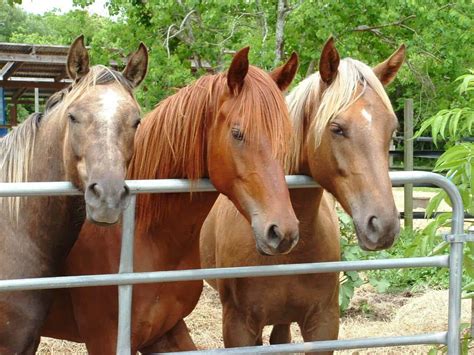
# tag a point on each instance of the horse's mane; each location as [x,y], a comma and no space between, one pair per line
[17,147]
[302,102]
[170,142]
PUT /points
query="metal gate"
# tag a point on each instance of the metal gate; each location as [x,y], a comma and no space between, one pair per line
[126,278]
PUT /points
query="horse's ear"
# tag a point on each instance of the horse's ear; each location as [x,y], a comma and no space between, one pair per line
[285,74]
[238,70]
[77,59]
[387,71]
[329,62]
[137,66]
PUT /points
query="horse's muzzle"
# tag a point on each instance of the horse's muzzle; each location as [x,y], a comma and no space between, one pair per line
[106,200]
[377,232]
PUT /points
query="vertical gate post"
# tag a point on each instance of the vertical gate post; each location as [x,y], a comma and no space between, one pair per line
[125,291]
[455,288]
[456,240]
[408,162]
[3,112]
[471,232]
[37,105]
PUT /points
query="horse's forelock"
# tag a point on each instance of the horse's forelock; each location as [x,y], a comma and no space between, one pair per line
[263,112]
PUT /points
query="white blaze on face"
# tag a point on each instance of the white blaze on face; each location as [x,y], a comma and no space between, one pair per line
[109,104]
[110,101]
[367,116]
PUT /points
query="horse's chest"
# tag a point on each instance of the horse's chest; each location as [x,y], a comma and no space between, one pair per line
[284,299]
[160,307]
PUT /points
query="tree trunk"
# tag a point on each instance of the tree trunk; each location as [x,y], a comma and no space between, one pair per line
[282,11]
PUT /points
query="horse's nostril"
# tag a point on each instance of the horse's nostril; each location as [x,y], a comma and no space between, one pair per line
[373,223]
[95,189]
[272,232]
[125,192]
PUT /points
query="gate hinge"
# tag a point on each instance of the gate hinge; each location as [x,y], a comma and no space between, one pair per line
[458,238]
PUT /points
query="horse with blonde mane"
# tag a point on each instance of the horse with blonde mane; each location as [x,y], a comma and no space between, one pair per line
[232,127]
[85,136]
[342,125]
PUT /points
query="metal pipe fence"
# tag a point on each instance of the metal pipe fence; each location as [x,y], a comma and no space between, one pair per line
[126,278]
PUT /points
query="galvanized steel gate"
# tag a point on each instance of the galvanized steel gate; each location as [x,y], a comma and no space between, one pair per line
[126,278]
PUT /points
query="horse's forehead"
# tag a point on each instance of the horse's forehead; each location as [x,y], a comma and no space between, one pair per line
[369,105]
[109,101]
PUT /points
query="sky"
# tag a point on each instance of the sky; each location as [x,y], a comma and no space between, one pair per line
[42,6]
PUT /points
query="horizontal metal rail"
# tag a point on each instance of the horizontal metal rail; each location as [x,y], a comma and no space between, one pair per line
[221,273]
[60,188]
[326,345]
[422,215]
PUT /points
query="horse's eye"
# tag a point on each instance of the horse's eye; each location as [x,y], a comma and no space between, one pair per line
[72,118]
[336,129]
[237,134]
[136,124]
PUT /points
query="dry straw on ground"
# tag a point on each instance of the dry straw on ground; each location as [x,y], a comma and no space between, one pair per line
[371,314]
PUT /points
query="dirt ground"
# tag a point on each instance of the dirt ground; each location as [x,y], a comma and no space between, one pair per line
[370,314]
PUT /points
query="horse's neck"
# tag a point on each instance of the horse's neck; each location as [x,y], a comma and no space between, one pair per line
[306,203]
[48,163]
[53,222]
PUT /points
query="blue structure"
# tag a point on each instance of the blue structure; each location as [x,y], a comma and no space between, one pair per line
[3,112]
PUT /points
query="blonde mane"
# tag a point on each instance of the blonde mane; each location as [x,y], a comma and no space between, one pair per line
[18,146]
[171,141]
[305,102]
[16,150]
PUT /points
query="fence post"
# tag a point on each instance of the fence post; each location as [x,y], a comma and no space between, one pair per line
[471,231]
[408,162]
[125,291]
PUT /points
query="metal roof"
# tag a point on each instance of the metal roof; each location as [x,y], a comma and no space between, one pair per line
[24,67]
[27,66]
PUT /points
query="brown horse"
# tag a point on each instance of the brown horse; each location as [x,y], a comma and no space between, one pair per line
[86,136]
[343,122]
[232,127]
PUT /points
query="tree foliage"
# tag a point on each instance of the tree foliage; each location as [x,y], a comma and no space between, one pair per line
[438,34]
[457,163]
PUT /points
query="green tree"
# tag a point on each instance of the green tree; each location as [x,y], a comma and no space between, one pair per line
[10,19]
[439,36]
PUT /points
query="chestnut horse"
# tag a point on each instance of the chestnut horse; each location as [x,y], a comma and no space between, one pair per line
[342,125]
[86,136]
[231,127]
